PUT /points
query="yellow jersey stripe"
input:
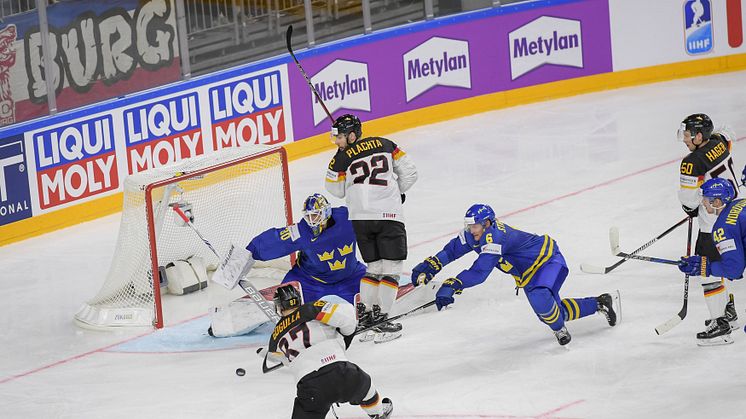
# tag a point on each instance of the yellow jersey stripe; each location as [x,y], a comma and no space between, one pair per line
[577,308]
[324,317]
[568,307]
[554,316]
[547,250]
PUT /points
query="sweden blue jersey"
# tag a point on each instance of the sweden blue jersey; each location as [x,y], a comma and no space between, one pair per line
[512,251]
[328,258]
[729,234]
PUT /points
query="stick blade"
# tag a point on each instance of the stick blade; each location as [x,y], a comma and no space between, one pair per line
[592,269]
[614,240]
[670,324]
[288,36]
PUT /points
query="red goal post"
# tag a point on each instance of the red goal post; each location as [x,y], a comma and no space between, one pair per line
[232,194]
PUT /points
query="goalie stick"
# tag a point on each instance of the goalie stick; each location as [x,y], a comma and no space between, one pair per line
[246,285]
[288,36]
[674,321]
[593,269]
[266,369]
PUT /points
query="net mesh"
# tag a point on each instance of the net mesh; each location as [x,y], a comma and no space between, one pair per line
[230,203]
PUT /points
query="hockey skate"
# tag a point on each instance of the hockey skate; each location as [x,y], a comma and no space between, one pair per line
[610,305]
[385,331]
[730,313]
[364,320]
[388,407]
[716,333]
[563,336]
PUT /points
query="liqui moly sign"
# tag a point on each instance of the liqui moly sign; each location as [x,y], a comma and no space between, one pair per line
[436,62]
[75,161]
[341,84]
[249,111]
[546,40]
[162,132]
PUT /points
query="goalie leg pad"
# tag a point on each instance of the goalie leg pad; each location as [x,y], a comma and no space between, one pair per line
[240,317]
[186,276]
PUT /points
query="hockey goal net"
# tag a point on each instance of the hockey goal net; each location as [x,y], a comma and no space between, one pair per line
[232,195]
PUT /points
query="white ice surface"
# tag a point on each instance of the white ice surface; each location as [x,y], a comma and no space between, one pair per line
[570,168]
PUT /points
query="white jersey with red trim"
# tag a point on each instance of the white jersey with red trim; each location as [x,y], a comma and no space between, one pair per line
[371,174]
[707,162]
[312,336]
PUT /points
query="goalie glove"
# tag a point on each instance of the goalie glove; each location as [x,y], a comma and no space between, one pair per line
[425,271]
[450,287]
[235,266]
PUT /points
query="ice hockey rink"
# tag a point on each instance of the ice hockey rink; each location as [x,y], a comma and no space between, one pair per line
[570,168]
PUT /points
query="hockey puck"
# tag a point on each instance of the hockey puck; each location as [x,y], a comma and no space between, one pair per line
[240,372]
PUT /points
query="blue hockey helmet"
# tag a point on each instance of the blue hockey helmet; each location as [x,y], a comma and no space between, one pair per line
[718,188]
[479,214]
[316,212]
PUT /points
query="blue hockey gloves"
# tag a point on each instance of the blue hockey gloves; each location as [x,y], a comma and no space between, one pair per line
[428,269]
[695,265]
[743,176]
[445,293]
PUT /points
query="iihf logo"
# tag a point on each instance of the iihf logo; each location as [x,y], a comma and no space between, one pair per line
[698,26]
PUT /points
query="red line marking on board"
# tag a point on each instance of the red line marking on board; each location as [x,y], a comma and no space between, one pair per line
[567,195]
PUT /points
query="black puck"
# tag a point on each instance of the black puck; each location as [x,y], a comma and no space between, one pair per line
[240,372]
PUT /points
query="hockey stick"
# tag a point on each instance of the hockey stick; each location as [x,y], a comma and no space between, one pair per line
[593,269]
[614,243]
[649,259]
[246,285]
[674,321]
[266,369]
[289,35]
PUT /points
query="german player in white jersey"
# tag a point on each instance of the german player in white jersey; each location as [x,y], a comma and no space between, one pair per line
[709,158]
[373,175]
[311,339]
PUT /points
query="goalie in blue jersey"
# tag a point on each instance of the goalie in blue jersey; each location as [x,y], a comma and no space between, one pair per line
[534,261]
[325,242]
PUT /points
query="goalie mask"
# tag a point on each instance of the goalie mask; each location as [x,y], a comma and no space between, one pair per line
[286,298]
[316,212]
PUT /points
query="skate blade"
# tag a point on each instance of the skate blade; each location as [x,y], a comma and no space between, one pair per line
[386,337]
[716,341]
[367,336]
[616,304]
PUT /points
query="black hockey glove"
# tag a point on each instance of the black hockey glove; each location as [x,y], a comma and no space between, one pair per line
[692,213]
[347,338]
